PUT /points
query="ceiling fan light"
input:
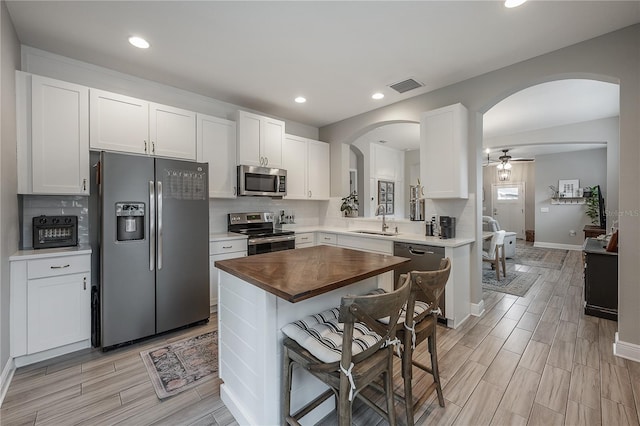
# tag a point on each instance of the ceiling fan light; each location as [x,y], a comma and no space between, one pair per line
[507,166]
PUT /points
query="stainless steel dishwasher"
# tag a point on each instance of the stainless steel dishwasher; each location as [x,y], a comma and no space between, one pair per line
[423,258]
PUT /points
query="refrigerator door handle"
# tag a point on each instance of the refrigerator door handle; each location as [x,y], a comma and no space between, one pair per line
[159,225]
[152,225]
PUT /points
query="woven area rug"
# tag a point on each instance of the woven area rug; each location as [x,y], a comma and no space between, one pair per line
[181,365]
[516,283]
[540,257]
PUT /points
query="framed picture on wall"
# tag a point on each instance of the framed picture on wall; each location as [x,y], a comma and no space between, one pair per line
[568,188]
[386,196]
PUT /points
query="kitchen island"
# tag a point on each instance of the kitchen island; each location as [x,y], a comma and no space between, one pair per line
[258,295]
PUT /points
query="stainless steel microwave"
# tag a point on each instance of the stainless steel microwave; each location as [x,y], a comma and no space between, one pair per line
[262,181]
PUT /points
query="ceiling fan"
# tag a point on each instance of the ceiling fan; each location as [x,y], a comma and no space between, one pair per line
[504,159]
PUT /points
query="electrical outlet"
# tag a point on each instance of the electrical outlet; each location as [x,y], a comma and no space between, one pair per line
[544,209]
[572,233]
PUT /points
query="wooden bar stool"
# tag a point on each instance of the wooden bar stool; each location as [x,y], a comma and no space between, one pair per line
[419,324]
[346,348]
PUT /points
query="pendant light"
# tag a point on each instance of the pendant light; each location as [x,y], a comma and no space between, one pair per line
[504,167]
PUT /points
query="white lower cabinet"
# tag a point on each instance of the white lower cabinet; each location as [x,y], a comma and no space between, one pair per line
[58,311]
[50,306]
[305,239]
[326,239]
[222,250]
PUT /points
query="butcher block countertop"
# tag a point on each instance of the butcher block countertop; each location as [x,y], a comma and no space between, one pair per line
[296,275]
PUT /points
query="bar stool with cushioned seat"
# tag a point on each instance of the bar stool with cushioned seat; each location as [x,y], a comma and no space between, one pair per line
[423,307]
[346,348]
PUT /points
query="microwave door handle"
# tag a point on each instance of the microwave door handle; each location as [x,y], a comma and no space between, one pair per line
[152,226]
[159,225]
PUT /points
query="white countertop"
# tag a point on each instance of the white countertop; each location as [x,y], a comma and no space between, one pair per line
[226,236]
[51,252]
[401,237]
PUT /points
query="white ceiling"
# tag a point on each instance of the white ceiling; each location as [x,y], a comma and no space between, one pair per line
[260,55]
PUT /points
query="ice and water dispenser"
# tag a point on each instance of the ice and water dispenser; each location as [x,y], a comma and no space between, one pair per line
[130,221]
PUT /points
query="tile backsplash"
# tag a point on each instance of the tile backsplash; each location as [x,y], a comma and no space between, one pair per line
[52,205]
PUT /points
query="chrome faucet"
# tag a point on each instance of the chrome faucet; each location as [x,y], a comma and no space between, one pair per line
[384,220]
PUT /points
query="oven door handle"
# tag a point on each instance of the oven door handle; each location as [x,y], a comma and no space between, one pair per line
[257,241]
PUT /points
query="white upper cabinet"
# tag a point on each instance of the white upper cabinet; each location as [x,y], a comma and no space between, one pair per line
[294,161]
[125,124]
[217,146]
[172,132]
[443,152]
[318,161]
[119,123]
[388,163]
[53,136]
[259,140]
[307,165]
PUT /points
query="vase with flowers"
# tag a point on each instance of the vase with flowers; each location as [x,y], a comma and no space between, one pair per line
[350,205]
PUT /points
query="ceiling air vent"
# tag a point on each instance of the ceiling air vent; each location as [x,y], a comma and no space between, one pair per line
[406,85]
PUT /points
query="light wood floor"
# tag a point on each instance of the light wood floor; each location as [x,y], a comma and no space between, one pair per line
[533,360]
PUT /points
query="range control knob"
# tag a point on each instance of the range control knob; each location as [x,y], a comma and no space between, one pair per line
[55,220]
[43,220]
[67,220]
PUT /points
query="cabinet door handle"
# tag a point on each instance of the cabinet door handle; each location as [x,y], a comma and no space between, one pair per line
[309,194]
[234,190]
[60,267]
[304,238]
[266,161]
[84,184]
[226,247]
[84,283]
[153,147]
[145,147]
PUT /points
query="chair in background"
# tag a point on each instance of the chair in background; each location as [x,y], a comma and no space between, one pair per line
[346,348]
[495,254]
[489,224]
[419,325]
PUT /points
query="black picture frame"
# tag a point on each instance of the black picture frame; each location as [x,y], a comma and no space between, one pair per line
[386,196]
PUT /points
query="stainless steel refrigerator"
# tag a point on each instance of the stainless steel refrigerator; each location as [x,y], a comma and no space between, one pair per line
[154,246]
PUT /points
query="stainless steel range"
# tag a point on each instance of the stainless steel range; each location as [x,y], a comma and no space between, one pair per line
[263,237]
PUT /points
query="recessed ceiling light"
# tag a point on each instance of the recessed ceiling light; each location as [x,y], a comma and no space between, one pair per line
[513,3]
[377,96]
[300,99]
[139,42]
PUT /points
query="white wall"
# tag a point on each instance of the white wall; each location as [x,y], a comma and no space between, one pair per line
[9,233]
[613,57]
[555,226]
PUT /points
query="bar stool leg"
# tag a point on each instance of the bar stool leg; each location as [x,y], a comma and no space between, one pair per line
[434,366]
[388,387]
[407,375]
[287,371]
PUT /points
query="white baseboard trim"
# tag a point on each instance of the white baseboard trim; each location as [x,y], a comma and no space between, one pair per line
[5,378]
[542,244]
[21,361]
[626,350]
[477,309]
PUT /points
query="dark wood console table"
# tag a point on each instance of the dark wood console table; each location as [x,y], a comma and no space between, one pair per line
[592,231]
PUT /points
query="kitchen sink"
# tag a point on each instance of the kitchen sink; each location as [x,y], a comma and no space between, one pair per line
[387,234]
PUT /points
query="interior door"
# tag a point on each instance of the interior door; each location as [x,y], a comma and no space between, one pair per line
[507,200]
